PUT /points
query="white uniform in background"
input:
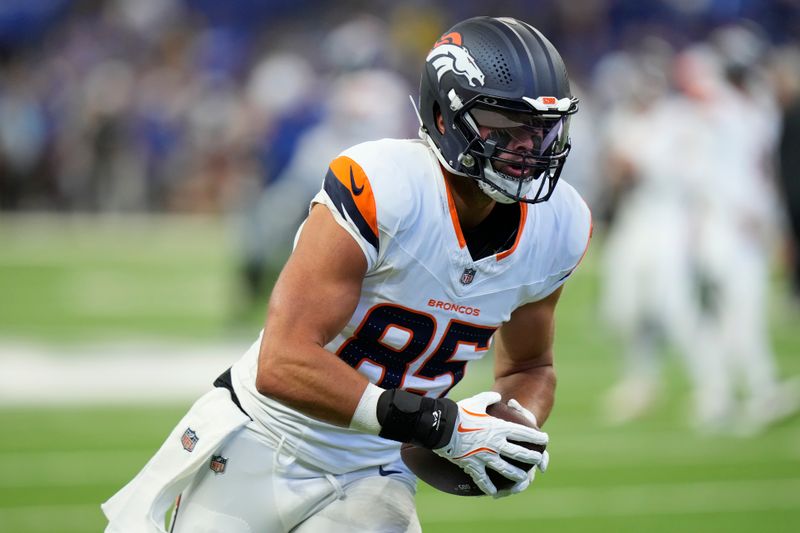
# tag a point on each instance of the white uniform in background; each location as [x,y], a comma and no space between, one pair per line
[426,310]
[737,224]
[648,287]
[689,252]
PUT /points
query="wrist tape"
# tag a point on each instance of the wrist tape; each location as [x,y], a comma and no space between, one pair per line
[408,417]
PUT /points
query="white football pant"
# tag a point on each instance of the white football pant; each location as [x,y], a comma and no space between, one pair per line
[263,490]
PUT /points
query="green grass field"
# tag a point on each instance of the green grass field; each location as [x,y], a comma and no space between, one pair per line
[81,280]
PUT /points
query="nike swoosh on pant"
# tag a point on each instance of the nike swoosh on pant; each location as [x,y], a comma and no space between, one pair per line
[383,472]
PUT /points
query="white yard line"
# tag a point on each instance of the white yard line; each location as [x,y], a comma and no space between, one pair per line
[124,373]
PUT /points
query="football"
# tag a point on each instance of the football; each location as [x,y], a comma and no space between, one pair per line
[447,476]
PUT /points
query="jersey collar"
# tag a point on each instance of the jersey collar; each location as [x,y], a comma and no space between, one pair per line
[462,243]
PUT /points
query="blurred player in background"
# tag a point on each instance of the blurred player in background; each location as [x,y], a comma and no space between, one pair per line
[415,256]
[688,254]
[737,229]
[365,101]
[648,291]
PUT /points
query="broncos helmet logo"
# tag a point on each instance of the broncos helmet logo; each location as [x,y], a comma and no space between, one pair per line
[449,56]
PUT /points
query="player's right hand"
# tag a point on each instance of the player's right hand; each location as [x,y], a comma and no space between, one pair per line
[479,440]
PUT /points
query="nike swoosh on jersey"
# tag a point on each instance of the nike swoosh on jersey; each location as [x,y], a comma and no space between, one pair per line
[383,472]
[357,205]
[462,429]
[356,190]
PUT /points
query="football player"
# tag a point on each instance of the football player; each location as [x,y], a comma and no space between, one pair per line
[416,256]
[736,230]
[648,296]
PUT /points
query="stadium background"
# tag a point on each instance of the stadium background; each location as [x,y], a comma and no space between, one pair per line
[133,138]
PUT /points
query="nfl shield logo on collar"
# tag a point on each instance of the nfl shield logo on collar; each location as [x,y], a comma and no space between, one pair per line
[467,276]
[218,464]
[189,439]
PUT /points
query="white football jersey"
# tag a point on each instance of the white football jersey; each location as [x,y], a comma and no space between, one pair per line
[426,307]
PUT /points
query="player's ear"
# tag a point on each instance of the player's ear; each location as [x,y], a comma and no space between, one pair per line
[439,122]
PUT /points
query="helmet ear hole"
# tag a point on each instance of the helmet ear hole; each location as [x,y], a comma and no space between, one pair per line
[437,114]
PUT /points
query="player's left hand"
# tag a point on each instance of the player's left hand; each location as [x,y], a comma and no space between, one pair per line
[542,465]
[480,441]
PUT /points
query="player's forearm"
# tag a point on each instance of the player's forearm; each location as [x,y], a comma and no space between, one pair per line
[294,367]
[312,380]
[533,387]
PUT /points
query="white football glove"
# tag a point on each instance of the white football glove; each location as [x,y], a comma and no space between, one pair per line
[542,465]
[478,440]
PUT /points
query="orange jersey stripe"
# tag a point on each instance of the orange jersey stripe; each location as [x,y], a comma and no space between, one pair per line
[462,242]
[353,180]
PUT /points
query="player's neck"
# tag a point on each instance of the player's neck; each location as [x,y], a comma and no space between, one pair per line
[472,206]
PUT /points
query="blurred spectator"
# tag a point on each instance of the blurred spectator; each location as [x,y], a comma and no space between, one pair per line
[148,105]
[23,137]
[786,74]
[283,94]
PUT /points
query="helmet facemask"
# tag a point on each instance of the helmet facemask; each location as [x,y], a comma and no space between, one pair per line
[513,150]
